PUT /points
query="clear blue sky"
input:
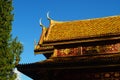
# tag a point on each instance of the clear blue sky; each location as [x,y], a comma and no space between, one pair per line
[28,12]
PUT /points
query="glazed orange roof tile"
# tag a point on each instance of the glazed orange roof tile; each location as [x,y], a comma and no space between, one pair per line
[70,30]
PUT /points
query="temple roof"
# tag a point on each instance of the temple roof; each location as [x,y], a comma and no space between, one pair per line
[79,29]
[43,49]
[90,63]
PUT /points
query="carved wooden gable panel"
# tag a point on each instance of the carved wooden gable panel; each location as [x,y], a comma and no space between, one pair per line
[89,50]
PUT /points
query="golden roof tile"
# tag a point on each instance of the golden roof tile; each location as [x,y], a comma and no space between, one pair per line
[60,31]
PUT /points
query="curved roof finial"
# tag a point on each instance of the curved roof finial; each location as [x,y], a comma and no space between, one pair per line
[48,17]
[40,21]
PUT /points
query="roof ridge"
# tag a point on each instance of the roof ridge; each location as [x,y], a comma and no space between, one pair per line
[55,21]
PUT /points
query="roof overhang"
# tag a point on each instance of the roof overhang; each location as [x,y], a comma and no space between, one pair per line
[109,39]
[98,62]
[43,49]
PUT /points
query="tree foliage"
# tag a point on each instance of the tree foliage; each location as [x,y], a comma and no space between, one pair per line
[10,49]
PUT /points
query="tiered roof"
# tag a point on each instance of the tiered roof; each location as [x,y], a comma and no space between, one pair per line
[71,33]
[79,31]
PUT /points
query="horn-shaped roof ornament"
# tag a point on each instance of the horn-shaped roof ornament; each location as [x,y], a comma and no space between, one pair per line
[43,27]
[48,17]
[40,21]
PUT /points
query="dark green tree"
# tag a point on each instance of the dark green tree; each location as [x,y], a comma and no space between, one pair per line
[10,49]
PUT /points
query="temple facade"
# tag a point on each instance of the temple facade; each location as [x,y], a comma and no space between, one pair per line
[78,50]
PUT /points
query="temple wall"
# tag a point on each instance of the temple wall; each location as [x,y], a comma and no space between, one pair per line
[88,76]
[89,50]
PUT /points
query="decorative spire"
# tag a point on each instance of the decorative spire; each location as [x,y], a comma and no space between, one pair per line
[40,21]
[48,17]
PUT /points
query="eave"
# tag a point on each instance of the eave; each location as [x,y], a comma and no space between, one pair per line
[43,49]
[107,39]
[88,63]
